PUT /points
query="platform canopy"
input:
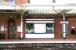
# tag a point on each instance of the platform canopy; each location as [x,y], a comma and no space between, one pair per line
[39,6]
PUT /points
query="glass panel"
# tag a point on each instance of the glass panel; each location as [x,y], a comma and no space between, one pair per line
[11,28]
[50,27]
[29,27]
[40,28]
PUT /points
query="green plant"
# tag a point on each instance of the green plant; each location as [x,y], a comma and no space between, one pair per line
[12,36]
[26,15]
[2,36]
[19,17]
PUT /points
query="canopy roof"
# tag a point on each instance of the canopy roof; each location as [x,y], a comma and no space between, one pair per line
[38,6]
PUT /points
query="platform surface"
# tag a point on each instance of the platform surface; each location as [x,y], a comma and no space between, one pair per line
[38,41]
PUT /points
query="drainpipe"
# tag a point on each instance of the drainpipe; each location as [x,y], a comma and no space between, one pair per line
[64,24]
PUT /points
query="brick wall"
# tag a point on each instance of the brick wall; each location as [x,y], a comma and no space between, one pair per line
[21,1]
[57,28]
[72,23]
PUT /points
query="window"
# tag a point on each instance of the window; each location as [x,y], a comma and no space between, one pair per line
[50,27]
[29,28]
[40,28]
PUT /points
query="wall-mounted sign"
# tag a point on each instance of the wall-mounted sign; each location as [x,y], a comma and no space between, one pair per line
[2,27]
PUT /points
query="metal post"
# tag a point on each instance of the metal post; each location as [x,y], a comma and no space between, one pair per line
[64,26]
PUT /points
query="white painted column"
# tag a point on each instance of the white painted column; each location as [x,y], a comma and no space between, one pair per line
[21,29]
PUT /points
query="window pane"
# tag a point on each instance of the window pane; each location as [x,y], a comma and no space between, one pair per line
[29,27]
[40,28]
[50,27]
